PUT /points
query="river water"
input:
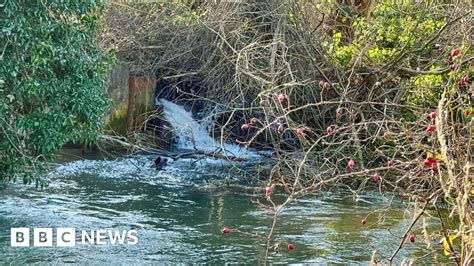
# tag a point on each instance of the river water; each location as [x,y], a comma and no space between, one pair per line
[179,213]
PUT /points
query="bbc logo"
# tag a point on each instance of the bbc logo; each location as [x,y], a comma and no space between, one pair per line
[66,237]
[43,237]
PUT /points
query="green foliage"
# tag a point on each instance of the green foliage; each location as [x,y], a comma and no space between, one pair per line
[53,76]
[389,29]
[393,29]
[343,54]
[188,17]
[424,89]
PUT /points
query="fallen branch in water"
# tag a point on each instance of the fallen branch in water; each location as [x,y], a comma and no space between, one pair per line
[196,154]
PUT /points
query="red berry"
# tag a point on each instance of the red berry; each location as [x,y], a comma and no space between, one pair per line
[364,221]
[390,163]
[291,246]
[419,173]
[351,164]
[412,238]
[453,67]
[460,83]
[376,177]
[455,52]
[431,129]
[466,80]
[245,126]
[467,112]
[433,115]
[329,130]
[450,59]
[282,97]
[226,230]
[300,132]
[269,190]
[386,135]
[430,161]
[327,85]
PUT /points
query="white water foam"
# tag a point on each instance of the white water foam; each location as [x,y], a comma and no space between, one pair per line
[192,135]
[127,167]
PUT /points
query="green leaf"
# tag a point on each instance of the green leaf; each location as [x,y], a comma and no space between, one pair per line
[346,10]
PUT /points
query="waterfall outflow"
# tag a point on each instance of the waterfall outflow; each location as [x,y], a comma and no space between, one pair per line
[192,135]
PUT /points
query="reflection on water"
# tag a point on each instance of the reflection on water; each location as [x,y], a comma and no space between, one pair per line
[179,218]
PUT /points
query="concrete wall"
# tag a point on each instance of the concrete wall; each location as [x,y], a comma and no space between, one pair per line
[118,84]
[117,91]
[133,109]
[141,91]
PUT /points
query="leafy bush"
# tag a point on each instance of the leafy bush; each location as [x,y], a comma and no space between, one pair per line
[52,80]
[391,28]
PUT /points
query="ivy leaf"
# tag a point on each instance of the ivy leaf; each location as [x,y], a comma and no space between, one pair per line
[346,10]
